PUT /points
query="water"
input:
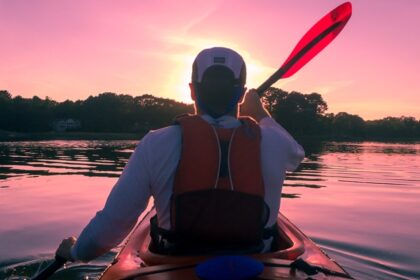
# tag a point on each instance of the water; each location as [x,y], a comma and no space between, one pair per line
[358,201]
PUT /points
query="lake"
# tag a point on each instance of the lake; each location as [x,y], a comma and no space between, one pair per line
[359,201]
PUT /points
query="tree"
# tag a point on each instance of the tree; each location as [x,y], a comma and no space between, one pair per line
[390,127]
[347,125]
[5,96]
[299,113]
[5,109]
[272,97]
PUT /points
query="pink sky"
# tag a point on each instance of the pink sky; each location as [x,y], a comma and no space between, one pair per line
[71,49]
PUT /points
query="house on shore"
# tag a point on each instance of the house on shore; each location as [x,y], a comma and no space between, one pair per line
[66,125]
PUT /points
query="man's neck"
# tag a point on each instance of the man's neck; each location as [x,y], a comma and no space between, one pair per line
[233,113]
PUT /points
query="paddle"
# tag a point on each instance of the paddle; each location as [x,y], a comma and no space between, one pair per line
[49,270]
[314,41]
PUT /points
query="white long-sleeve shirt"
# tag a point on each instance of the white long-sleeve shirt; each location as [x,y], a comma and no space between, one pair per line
[150,172]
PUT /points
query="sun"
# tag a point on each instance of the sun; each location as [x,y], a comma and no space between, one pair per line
[178,83]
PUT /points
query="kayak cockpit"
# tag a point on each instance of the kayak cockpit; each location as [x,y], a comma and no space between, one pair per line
[135,260]
[287,247]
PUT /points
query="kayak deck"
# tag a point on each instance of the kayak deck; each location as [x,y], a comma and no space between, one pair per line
[135,261]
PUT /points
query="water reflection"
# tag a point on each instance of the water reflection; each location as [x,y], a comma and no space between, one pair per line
[370,147]
[46,158]
[362,207]
[359,201]
[30,267]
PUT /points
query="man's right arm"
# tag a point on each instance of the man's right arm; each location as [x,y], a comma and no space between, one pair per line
[127,200]
[253,107]
[290,150]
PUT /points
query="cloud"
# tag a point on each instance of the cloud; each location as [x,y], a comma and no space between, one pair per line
[332,86]
[199,19]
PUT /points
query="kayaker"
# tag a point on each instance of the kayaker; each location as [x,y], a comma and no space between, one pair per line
[214,177]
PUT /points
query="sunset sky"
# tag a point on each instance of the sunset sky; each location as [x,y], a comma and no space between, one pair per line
[71,49]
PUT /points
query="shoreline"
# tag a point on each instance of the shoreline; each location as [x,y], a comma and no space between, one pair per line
[8,136]
[11,136]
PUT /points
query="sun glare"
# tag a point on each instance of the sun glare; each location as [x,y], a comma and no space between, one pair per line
[183,89]
[181,78]
[178,87]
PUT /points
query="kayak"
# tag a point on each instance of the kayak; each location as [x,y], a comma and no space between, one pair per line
[297,258]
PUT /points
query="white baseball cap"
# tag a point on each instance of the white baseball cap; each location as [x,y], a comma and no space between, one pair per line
[222,57]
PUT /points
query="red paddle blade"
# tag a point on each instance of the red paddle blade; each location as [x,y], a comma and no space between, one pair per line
[334,21]
[314,41]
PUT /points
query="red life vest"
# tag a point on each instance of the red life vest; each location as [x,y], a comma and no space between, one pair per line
[218,192]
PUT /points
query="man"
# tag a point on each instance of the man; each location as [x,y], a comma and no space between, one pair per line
[216,180]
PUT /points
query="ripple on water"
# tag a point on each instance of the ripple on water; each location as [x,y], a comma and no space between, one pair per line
[359,201]
[19,269]
[47,158]
[368,262]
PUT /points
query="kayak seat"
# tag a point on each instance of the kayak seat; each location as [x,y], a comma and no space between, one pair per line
[167,242]
[286,245]
[280,242]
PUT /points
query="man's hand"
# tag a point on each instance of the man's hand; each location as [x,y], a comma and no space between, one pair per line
[253,107]
[64,250]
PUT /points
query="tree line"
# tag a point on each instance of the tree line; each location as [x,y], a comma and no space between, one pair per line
[306,115]
[301,114]
[107,112]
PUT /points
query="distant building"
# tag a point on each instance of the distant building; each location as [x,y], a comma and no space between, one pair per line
[66,125]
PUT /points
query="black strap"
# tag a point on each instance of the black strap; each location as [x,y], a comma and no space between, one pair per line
[302,265]
[161,238]
[164,233]
[269,232]
[309,269]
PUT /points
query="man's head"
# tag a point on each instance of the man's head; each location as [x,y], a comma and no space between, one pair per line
[218,81]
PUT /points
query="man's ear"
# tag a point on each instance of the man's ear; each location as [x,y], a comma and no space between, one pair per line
[192,91]
[243,96]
